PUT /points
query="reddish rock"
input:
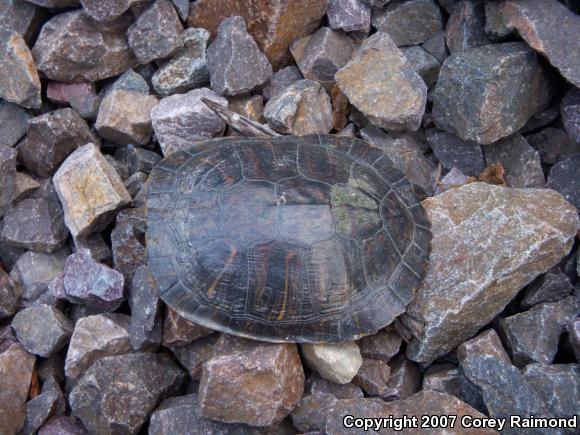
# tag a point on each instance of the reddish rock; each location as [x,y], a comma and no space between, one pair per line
[382,346]
[373,376]
[178,331]
[405,379]
[81,96]
[192,356]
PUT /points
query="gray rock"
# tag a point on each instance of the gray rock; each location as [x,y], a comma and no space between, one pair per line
[423,63]
[36,224]
[553,144]
[550,287]
[182,7]
[7,298]
[409,23]
[156,33]
[236,64]
[570,111]
[558,385]
[453,152]
[117,393]
[320,55]
[89,282]
[81,96]
[375,4]
[128,247]
[373,376]
[180,121]
[129,81]
[7,177]
[25,186]
[349,15]
[42,330]
[392,95]
[55,3]
[145,329]
[495,24]
[19,82]
[107,10]
[521,162]
[62,425]
[563,177]
[21,17]
[540,119]
[574,337]
[180,415]
[73,47]
[465,27]
[135,183]
[489,92]
[188,69]
[137,159]
[13,122]
[533,335]
[302,108]
[382,346]
[454,178]
[39,409]
[405,379]
[96,337]
[178,331]
[51,138]
[437,47]
[97,246]
[192,356]
[280,80]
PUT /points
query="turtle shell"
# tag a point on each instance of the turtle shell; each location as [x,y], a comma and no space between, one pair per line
[288,239]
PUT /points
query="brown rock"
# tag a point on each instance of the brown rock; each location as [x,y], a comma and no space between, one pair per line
[373,376]
[340,108]
[178,331]
[192,356]
[405,379]
[382,346]
[81,96]
[250,106]
[274,24]
[471,277]
[125,117]
[251,382]
[90,191]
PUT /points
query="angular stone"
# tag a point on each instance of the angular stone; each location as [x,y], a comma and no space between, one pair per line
[320,55]
[373,376]
[155,34]
[406,154]
[39,409]
[107,10]
[137,159]
[250,106]
[570,111]
[540,119]
[236,64]
[89,282]
[489,92]
[145,328]
[536,226]
[192,356]
[349,15]
[97,246]
[550,287]
[42,330]
[90,191]
[180,415]
[563,177]
[129,81]
[454,178]
[453,152]
[505,390]
[19,82]
[273,24]
[318,386]
[35,224]
[447,378]
[546,25]
[55,3]
[81,96]
[16,366]
[135,183]
[553,144]
[409,23]
[13,123]
[424,403]
[337,362]
[310,414]
[533,335]
[392,95]
[382,346]
[117,393]
[182,120]
[250,382]
[423,63]
[280,80]
[188,69]
[520,161]
[558,385]
[95,337]
[25,186]
[574,336]
[7,177]
[73,47]
[178,331]
[375,4]
[437,47]
[302,108]
[465,27]
[21,17]
[7,298]
[62,425]
[405,379]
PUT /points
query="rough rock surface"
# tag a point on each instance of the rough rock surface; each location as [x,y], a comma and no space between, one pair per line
[95,337]
[181,120]
[570,110]
[273,24]
[7,297]
[405,379]
[553,144]
[117,393]
[145,328]
[550,287]
[372,377]
[19,82]
[7,177]
[489,92]
[107,10]
[250,382]
[81,96]
[21,17]
[13,123]
[192,356]
[382,346]
[563,177]
[178,331]
[90,190]
[349,15]
[280,80]
[483,223]
[453,152]
[544,25]
[62,425]
[236,64]
[423,63]
[128,242]
[302,108]
[337,362]
[393,95]
[42,330]
[466,27]
[73,47]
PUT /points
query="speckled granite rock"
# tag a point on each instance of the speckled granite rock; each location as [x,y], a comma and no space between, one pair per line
[349,15]
[107,10]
